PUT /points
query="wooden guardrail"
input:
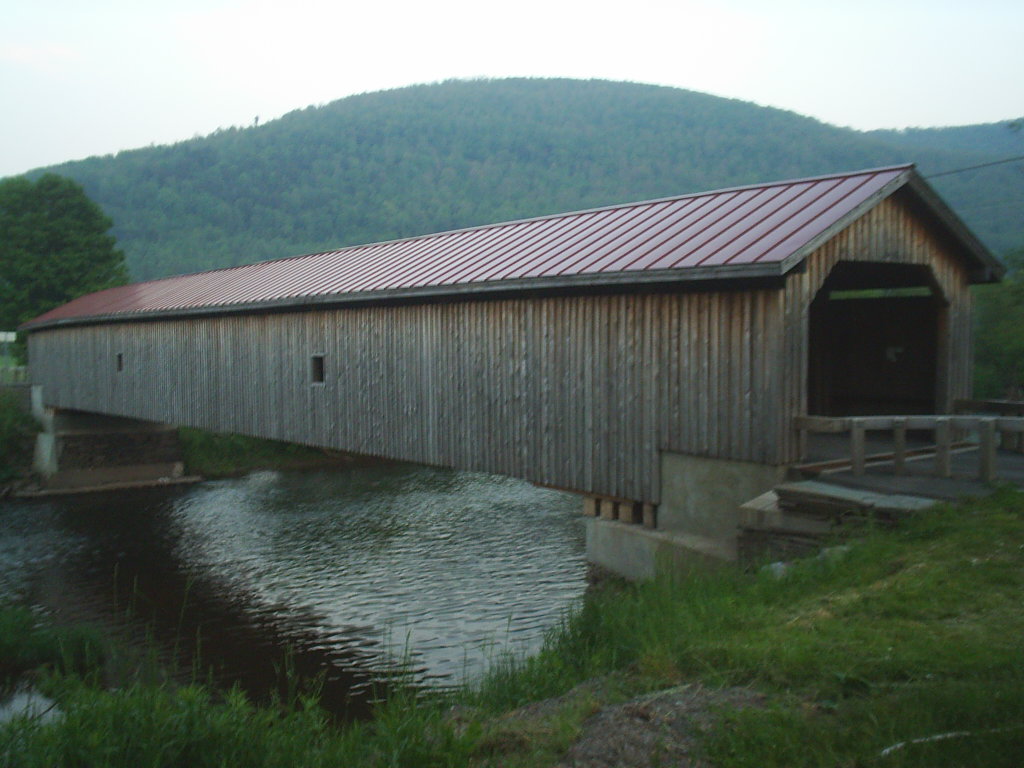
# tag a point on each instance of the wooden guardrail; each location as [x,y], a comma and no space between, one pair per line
[1010,441]
[943,428]
[17,374]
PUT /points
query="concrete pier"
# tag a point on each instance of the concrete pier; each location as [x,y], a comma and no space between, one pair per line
[696,523]
[77,450]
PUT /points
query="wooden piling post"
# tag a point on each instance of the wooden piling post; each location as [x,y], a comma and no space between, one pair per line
[627,511]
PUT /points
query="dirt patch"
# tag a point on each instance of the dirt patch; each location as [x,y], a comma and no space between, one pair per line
[656,729]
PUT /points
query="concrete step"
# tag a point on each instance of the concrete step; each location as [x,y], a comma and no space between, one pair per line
[819,499]
[796,519]
[764,514]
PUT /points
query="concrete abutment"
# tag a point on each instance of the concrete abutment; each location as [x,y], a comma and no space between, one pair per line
[78,450]
[695,524]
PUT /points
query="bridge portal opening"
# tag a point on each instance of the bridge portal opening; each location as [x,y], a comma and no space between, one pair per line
[877,344]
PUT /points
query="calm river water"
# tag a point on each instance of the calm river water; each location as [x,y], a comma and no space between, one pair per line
[329,572]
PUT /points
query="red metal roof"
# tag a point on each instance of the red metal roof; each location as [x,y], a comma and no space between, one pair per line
[762,229]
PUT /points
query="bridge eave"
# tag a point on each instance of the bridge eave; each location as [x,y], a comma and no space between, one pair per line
[694,278]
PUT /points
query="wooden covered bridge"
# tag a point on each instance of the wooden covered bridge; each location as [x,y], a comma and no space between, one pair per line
[654,357]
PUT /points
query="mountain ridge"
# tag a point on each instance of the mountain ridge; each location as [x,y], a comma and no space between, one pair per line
[429,158]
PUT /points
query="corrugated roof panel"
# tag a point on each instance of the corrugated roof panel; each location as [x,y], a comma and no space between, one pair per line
[722,242]
[393,259]
[745,226]
[510,256]
[638,250]
[780,222]
[545,257]
[811,221]
[436,267]
[636,230]
[676,245]
[678,242]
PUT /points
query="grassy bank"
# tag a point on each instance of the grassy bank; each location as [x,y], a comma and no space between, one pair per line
[908,635]
[221,455]
[17,435]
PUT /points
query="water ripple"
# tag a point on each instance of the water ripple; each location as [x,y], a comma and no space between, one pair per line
[357,567]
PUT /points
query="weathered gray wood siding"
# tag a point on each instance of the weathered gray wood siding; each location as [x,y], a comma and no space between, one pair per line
[889,233]
[575,392]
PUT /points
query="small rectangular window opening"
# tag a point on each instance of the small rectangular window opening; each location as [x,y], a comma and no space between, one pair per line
[120,362]
[316,369]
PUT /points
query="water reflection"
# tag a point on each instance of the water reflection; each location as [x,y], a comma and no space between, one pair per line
[348,568]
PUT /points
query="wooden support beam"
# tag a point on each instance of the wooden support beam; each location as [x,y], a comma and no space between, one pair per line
[987,450]
[590,506]
[650,515]
[628,512]
[899,446]
[821,423]
[943,444]
[857,446]
[607,507]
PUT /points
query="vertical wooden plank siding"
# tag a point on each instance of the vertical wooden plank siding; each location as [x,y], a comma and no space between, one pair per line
[578,392]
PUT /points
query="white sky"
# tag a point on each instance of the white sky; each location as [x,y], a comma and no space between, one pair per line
[80,78]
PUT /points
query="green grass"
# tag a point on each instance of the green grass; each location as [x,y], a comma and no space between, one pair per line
[17,434]
[217,455]
[914,633]
[193,726]
[30,644]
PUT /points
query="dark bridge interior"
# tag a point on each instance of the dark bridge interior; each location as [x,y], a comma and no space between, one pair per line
[874,331]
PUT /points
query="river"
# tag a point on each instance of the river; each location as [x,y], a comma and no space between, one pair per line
[340,574]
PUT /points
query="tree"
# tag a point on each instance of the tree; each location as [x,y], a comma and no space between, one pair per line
[999,334]
[54,246]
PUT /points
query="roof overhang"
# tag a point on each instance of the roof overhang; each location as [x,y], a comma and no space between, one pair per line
[731,277]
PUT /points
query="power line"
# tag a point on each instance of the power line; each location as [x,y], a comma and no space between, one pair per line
[1017,203]
[973,167]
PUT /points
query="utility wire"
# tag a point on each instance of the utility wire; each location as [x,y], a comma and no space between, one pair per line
[973,167]
[1016,203]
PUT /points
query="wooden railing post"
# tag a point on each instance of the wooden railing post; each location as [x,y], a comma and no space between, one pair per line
[857,446]
[899,446]
[987,450]
[943,437]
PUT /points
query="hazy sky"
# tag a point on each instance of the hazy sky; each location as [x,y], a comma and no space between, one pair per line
[82,78]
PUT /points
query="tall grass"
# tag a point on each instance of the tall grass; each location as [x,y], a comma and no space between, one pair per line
[192,726]
[27,643]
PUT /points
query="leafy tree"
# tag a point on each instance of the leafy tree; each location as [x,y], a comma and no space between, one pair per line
[999,334]
[54,247]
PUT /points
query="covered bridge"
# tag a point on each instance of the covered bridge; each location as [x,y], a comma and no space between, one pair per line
[655,352]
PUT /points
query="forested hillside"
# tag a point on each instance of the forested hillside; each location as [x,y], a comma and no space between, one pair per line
[435,157]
